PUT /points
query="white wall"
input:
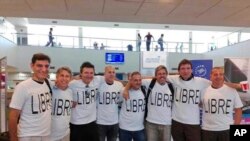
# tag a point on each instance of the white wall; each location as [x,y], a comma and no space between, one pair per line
[73,58]
[20,57]
[237,50]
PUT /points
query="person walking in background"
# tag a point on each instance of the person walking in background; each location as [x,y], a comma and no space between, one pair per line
[219,102]
[131,120]
[138,46]
[148,40]
[160,42]
[109,96]
[30,107]
[50,38]
[62,101]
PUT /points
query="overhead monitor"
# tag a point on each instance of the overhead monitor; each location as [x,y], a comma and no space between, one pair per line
[114,58]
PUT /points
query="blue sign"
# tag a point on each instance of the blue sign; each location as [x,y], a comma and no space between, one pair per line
[202,68]
[114,58]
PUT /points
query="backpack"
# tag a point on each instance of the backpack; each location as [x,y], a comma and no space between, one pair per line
[146,94]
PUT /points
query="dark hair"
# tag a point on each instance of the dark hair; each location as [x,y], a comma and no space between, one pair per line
[184,62]
[161,67]
[86,65]
[39,56]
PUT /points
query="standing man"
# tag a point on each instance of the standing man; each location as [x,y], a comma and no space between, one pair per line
[62,100]
[148,40]
[186,110]
[160,42]
[83,117]
[220,102]
[50,38]
[132,112]
[158,120]
[159,102]
[107,109]
[30,107]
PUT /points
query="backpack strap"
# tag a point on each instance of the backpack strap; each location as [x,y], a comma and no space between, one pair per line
[48,84]
[170,86]
[151,85]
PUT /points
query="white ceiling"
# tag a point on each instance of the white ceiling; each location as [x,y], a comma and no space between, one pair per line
[160,13]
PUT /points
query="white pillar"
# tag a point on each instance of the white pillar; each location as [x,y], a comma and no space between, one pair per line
[190,42]
[80,35]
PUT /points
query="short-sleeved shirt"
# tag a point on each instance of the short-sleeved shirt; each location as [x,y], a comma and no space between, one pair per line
[109,96]
[218,108]
[61,112]
[85,96]
[34,101]
[159,103]
[132,111]
[187,99]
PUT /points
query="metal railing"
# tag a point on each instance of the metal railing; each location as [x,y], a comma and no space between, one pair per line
[24,39]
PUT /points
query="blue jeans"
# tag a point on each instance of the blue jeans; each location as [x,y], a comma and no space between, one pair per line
[161,46]
[125,135]
[109,131]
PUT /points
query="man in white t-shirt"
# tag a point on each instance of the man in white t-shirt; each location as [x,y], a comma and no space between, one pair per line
[219,103]
[109,96]
[131,119]
[83,117]
[158,125]
[62,100]
[187,98]
[186,110]
[30,107]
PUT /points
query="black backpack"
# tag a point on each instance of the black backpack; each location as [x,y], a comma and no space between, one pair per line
[146,94]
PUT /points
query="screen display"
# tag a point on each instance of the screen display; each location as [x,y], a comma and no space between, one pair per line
[114,58]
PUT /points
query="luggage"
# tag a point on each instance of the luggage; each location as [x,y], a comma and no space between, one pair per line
[4,136]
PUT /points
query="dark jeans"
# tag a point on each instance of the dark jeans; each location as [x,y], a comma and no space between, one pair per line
[215,135]
[84,132]
[109,131]
[125,135]
[161,46]
[148,45]
[50,42]
[185,132]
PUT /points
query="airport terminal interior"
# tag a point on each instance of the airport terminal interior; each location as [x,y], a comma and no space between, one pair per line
[105,32]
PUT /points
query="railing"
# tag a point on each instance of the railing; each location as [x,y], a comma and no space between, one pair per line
[232,38]
[104,43]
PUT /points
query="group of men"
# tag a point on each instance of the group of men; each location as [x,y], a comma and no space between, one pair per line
[88,108]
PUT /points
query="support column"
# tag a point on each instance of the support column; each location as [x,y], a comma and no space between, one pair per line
[22,35]
[136,41]
[239,36]
[80,37]
[190,42]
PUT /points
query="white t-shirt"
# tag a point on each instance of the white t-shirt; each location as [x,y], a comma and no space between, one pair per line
[34,101]
[61,111]
[218,108]
[187,98]
[85,96]
[159,103]
[132,111]
[107,107]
